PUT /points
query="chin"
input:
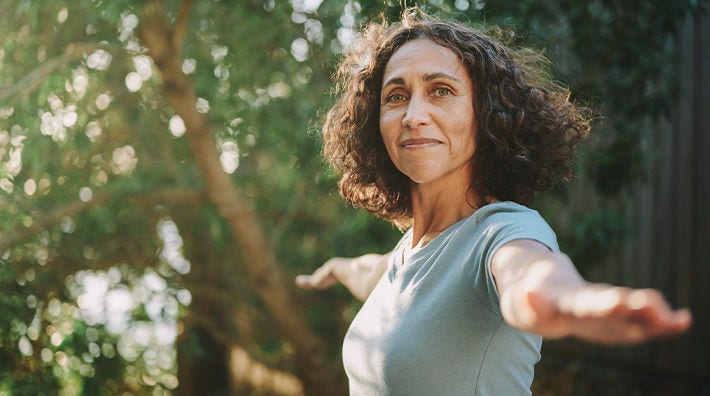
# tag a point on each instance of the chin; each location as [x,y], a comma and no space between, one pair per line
[421,180]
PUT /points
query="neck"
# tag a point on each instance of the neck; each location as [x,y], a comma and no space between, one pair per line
[436,209]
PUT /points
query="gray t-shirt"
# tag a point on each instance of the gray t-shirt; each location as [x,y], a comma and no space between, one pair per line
[433,325]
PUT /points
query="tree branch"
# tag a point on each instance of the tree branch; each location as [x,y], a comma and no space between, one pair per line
[33,79]
[41,223]
[246,369]
[180,29]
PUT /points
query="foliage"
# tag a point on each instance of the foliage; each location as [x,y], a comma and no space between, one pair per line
[109,251]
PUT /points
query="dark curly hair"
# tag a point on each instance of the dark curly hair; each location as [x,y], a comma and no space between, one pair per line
[528,129]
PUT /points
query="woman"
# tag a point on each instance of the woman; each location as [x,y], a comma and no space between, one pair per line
[447,133]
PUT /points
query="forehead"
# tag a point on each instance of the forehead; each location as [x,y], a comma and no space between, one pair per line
[424,56]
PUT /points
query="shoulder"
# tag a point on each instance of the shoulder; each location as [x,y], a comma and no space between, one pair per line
[504,208]
[502,222]
[505,212]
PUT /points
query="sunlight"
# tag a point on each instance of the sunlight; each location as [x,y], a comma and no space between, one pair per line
[218,52]
[144,66]
[346,36]
[79,82]
[171,253]
[85,194]
[93,130]
[91,302]
[98,60]
[154,282]
[176,126]
[103,101]
[306,6]
[6,112]
[134,82]
[62,15]
[103,299]
[6,185]
[61,117]
[128,23]
[299,49]
[124,160]
[279,90]
[14,163]
[189,65]
[30,187]
[202,105]
[314,30]
[229,158]
[221,72]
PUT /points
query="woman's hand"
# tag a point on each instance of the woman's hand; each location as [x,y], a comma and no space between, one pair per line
[324,276]
[541,292]
[608,314]
[359,275]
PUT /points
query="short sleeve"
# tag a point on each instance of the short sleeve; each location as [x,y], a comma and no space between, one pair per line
[496,228]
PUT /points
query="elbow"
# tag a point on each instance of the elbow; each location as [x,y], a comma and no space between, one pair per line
[531,305]
[533,312]
[530,289]
[519,311]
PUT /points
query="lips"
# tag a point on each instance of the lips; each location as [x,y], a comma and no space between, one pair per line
[419,143]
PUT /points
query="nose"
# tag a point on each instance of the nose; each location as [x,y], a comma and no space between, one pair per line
[417,113]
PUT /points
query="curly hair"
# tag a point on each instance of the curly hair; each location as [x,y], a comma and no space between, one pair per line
[528,130]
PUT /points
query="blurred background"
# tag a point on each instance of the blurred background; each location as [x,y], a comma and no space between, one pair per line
[161,185]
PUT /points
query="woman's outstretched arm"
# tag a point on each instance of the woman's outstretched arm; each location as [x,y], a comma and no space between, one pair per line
[359,274]
[542,292]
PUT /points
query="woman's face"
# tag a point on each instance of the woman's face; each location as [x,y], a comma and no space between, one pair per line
[427,116]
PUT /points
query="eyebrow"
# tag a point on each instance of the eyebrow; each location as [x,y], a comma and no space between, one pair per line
[427,77]
[434,76]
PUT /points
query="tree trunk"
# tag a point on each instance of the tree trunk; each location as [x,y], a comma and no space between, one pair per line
[263,271]
[202,365]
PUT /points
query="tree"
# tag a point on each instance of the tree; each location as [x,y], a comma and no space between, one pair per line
[140,179]
[161,182]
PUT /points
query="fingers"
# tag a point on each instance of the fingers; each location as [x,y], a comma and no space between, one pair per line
[321,278]
[656,317]
[304,281]
[314,282]
[682,320]
[646,325]
[618,315]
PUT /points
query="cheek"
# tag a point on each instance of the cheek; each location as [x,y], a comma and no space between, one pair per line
[386,118]
[388,124]
[467,142]
[472,135]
